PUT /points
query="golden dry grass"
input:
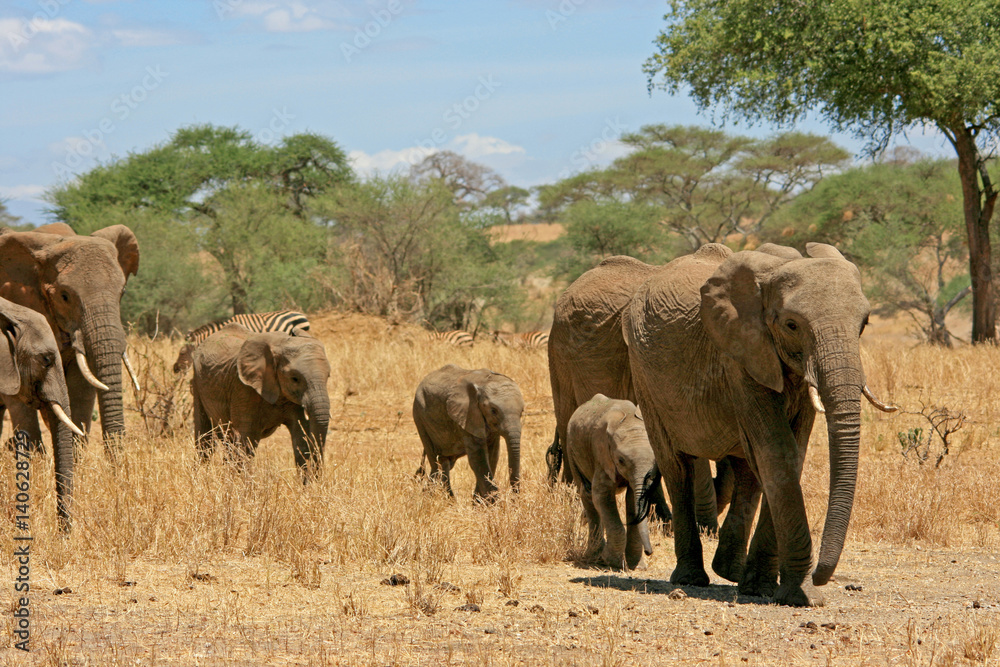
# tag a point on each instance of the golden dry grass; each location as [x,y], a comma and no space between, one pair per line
[173,562]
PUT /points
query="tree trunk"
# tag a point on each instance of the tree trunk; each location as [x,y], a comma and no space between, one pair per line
[978,208]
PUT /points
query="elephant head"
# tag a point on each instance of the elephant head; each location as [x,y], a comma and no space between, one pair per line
[625,451]
[488,405]
[291,368]
[31,375]
[793,324]
[77,283]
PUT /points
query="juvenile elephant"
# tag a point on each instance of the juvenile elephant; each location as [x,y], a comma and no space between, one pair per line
[77,282]
[608,452]
[460,412]
[732,354]
[31,379]
[250,383]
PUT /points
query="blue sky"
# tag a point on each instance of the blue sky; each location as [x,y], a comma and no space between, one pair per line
[536,89]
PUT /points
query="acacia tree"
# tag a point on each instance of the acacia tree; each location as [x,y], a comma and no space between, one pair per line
[876,68]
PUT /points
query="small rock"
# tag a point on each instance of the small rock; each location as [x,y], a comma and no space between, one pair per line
[677,594]
[976,604]
[152,598]
[203,576]
[512,603]
[812,646]
[809,626]
[449,587]
[126,583]
[573,613]
[709,633]
[396,580]
[62,591]
[468,607]
[853,587]
[537,609]
[593,610]
[490,631]
[829,626]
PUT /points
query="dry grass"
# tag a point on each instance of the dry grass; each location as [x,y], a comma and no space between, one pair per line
[174,562]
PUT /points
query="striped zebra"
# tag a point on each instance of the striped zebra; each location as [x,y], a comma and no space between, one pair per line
[458,338]
[280,320]
[528,339]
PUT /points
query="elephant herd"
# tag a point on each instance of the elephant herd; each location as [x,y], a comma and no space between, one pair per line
[656,370]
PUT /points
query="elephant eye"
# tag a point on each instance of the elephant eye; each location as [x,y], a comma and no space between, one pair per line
[65,296]
[792,326]
[48,361]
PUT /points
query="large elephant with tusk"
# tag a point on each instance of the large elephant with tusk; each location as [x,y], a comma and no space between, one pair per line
[77,282]
[733,354]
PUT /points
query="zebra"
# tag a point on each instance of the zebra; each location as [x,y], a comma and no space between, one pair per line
[458,338]
[528,339]
[288,321]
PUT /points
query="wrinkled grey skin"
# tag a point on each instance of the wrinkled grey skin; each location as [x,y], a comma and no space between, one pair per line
[249,384]
[461,412]
[608,452]
[77,282]
[31,380]
[588,355]
[723,347]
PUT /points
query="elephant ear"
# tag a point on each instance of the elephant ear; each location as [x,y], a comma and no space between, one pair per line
[782,251]
[10,375]
[823,250]
[732,311]
[463,407]
[57,228]
[256,368]
[128,247]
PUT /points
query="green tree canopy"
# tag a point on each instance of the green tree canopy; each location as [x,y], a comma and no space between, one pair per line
[876,68]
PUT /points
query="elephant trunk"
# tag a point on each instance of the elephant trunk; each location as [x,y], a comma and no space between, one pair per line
[63,457]
[840,382]
[318,412]
[644,487]
[513,438]
[104,342]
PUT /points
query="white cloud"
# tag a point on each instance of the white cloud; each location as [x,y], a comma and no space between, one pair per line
[292,15]
[41,46]
[388,160]
[21,191]
[147,37]
[474,146]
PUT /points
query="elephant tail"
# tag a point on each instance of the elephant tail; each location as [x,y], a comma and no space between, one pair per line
[554,459]
[421,473]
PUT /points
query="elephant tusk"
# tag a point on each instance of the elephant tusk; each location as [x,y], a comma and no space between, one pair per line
[131,371]
[884,407]
[816,400]
[61,416]
[81,361]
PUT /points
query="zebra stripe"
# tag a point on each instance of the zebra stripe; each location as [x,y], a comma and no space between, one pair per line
[528,339]
[458,338]
[279,320]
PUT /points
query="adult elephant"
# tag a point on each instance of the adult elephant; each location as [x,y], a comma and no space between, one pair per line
[732,354]
[77,283]
[31,379]
[588,355]
[247,384]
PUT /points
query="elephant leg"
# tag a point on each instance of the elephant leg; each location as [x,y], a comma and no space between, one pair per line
[304,448]
[204,438]
[595,532]
[661,510]
[447,463]
[705,510]
[553,459]
[486,489]
[760,574]
[636,533]
[724,482]
[82,396]
[730,555]
[690,569]
[603,491]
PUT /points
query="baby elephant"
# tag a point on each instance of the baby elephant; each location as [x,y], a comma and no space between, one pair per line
[247,384]
[459,412]
[607,451]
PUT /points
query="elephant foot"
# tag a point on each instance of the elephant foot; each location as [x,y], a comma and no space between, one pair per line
[754,582]
[689,575]
[613,561]
[728,566]
[798,595]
